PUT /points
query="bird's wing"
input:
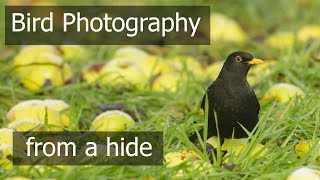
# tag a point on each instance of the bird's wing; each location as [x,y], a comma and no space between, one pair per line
[211,92]
[254,100]
[217,95]
[203,102]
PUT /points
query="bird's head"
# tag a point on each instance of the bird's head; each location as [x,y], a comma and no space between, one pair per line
[240,63]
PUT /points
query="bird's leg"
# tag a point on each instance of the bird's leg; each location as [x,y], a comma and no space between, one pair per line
[210,150]
[221,141]
[209,147]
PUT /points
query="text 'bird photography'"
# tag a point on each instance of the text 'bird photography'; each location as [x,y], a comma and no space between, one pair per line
[159,89]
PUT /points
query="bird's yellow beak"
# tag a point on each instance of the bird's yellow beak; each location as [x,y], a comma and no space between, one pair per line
[255,61]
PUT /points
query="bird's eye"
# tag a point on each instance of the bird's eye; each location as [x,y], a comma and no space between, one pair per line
[238,58]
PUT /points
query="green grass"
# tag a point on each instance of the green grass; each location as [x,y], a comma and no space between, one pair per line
[281,126]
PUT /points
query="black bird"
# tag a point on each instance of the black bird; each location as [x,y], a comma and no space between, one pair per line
[232,98]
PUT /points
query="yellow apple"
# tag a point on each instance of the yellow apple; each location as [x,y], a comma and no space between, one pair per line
[175,158]
[257,73]
[112,121]
[46,69]
[130,52]
[304,173]
[33,54]
[39,66]
[36,110]
[6,136]
[5,153]
[62,107]
[224,29]
[167,82]
[92,73]
[308,32]
[154,65]
[303,147]
[44,75]
[73,51]
[193,160]
[187,63]
[26,125]
[122,72]
[282,92]
[232,144]
[237,146]
[281,40]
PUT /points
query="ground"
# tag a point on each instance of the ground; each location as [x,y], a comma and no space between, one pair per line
[281,126]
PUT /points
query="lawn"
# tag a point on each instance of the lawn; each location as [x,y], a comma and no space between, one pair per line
[282,125]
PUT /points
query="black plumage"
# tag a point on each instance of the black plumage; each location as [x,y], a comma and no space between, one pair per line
[232,98]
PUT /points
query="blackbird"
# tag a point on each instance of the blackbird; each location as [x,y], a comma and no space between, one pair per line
[232,99]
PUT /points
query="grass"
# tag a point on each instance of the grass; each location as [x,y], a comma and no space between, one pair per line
[281,126]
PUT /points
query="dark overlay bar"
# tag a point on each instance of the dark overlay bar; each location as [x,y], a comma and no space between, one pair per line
[88,148]
[107,25]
